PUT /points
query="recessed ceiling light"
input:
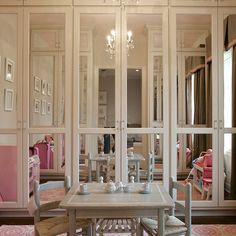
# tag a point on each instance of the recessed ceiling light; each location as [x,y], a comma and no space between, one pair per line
[137,70]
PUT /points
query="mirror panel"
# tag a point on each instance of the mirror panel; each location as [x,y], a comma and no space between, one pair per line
[9,167]
[145,152]
[194,79]
[47,70]
[97,73]
[229,107]
[50,149]
[144,40]
[195,164]
[97,157]
[8,70]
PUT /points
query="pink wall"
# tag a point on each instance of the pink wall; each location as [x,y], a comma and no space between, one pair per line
[8,173]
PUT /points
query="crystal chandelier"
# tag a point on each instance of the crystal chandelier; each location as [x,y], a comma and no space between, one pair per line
[111,43]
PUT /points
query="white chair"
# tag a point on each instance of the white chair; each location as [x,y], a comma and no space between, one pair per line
[84,167]
[173,226]
[150,167]
[54,225]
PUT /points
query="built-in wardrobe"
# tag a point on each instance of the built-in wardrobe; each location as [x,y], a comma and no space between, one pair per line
[118,77]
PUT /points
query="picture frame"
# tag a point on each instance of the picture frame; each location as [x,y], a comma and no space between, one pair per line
[9,70]
[8,99]
[37,83]
[37,104]
[102,99]
[43,107]
[49,108]
[102,111]
[44,87]
[49,89]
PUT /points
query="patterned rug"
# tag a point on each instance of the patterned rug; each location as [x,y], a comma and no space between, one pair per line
[197,230]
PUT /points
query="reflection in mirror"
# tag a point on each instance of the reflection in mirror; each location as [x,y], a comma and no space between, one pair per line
[229,107]
[144,153]
[97,82]
[195,164]
[47,69]
[106,98]
[97,157]
[50,149]
[194,82]
[229,181]
[134,98]
[147,41]
[158,89]
[8,167]
[8,70]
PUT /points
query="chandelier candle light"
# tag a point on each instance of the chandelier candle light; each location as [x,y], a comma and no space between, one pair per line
[111,41]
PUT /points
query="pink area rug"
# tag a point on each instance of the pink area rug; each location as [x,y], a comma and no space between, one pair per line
[197,230]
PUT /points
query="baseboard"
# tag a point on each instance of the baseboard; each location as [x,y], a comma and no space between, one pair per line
[198,217]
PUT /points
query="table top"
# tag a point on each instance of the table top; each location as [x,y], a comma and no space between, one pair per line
[103,157]
[98,198]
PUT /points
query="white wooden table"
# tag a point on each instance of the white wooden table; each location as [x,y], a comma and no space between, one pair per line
[103,159]
[100,204]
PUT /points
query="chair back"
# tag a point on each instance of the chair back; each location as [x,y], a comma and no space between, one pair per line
[38,188]
[150,167]
[45,155]
[186,190]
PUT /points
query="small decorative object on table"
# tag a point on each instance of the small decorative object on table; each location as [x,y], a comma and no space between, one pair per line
[110,187]
[132,179]
[101,180]
[146,188]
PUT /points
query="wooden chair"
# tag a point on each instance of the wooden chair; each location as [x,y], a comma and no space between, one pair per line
[173,226]
[55,225]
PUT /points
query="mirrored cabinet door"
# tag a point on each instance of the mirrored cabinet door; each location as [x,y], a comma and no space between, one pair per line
[227,105]
[10,107]
[46,132]
[195,146]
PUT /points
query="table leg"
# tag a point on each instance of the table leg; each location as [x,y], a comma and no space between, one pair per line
[90,171]
[137,171]
[72,222]
[161,222]
[97,171]
[94,227]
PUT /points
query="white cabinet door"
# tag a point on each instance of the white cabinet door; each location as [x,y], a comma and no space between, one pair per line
[193,2]
[226,3]
[46,2]
[47,40]
[11,2]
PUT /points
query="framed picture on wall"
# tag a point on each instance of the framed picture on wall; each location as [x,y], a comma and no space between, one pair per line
[8,99]
[37,83]
[44,87]
[102,99]
[49,108]
[49,89]
[9,70]
[37,105]
[43,107]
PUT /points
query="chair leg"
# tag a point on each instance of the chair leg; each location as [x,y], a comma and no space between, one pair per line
[209,192]
[89,230]
[35,232]
[203,193]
